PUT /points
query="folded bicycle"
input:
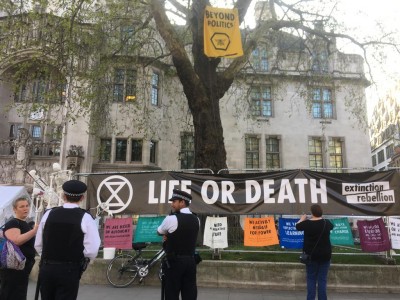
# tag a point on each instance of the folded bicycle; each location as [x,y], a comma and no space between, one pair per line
[124,268]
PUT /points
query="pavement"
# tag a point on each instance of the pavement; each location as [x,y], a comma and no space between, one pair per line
[142,292]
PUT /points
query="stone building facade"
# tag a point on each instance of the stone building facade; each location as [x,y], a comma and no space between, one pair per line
[290,107]
[385,132]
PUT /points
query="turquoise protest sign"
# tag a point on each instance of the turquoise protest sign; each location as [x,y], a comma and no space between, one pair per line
[146,230]
[341,233]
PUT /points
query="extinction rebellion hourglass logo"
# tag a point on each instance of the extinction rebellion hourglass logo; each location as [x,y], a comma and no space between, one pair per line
[368,193]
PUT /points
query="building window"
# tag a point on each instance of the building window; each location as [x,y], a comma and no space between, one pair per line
[261,101]
[124,86]
[105,150]
[137,146]
[40,88]
[155,81]
[336,154]
[127,38]
[389,151]
[153,152]
[322,103]
[315,153]
[120,149]
[272,153]
[373,160]
[36,132]
[14,131]
[36,90]
[252,152]
[259,59]
[381,156]
[187,151]
[320,62]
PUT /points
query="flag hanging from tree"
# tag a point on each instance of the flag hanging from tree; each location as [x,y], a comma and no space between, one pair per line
[221,33]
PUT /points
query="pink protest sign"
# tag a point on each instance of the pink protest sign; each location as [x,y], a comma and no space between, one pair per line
[374,236]
[118,233]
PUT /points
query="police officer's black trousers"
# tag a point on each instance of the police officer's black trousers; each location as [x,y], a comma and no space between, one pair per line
[59,281]
[180,277]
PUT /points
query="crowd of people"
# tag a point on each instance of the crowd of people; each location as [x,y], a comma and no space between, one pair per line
[67,238]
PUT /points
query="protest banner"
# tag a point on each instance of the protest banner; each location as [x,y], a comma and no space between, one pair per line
[260,232]
[146,230]
[118,233]
[216,232]
[289,236]
[374,236]
[394,224]
[341,232]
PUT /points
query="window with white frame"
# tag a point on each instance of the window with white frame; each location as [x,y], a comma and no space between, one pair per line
[36,132]
[124,85]
[259,60]
[252,152]
[336,161]
[187,151]
[261,101]
[322,103]
[315,152]
[155,86]
[272,149]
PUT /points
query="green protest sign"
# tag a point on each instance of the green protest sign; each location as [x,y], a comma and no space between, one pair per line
[146,230]
[341,233]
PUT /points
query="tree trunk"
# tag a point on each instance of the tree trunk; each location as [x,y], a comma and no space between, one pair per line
[209,138]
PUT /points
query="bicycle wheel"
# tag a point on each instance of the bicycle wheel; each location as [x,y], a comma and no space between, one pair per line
[122,270]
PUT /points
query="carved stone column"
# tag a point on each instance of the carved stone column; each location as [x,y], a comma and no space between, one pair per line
[22,154]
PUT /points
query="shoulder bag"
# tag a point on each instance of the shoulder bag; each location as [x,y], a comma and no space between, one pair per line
[306,258]
[11,256]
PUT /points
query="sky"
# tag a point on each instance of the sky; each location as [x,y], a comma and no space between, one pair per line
[363,18]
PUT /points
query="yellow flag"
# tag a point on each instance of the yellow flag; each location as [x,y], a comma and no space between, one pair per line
[222,33]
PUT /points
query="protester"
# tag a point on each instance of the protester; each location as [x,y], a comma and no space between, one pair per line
[14,283]
[67,237]
[180,234]
[317,244]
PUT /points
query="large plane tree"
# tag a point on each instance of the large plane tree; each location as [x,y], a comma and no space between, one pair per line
[71,31]
[205,82]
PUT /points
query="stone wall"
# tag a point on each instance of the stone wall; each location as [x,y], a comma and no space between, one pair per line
[265,275]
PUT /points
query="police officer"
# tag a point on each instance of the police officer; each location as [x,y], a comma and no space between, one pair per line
[66,238]
[180,234]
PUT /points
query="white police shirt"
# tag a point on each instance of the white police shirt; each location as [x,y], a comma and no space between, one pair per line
[170,223]
[91,238]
